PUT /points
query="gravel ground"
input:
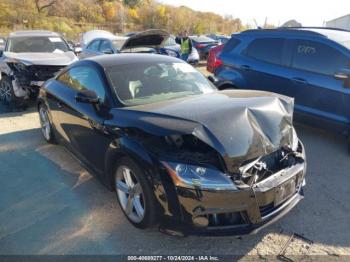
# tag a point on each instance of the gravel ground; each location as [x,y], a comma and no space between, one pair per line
[50,205]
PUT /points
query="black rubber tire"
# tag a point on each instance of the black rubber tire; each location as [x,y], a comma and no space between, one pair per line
[151,208]
[51,139]
[13,102]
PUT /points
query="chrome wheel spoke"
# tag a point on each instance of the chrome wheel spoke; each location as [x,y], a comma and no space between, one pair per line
[130,194]
[129,206]
[127,177]
[123,187]
[138,206]
[137,190]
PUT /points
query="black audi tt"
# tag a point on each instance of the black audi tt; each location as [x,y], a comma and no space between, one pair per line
[178,152]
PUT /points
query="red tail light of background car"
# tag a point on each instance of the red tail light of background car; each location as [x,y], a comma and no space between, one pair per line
[213,61]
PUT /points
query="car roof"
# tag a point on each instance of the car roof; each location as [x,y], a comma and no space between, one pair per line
[34,33]
[338,35]
[107,61]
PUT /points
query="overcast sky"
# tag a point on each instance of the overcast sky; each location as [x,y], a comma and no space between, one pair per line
[307,12]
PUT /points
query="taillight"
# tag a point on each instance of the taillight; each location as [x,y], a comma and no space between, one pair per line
[217,62]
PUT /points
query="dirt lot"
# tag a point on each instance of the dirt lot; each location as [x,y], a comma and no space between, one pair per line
[50,205]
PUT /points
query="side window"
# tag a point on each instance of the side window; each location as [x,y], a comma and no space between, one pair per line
[230,45]
[266,49]
[93,46]
[83,77]
[105,45]
[318,57]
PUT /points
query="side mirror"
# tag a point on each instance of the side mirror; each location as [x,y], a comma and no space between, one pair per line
[87,97]
[108,51]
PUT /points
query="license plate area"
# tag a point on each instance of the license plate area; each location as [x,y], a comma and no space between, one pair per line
[284,191]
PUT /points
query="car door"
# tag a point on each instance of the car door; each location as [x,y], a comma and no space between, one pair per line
[318,92]
[262,65]
[82,124]
[92,49]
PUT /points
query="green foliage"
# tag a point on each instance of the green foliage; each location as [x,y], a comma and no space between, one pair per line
[73,17]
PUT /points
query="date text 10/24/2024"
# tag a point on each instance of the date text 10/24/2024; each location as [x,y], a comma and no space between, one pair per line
[173,258]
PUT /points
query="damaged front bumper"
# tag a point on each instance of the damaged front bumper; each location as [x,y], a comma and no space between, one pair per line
[24,91]
[27,80]
[242,211]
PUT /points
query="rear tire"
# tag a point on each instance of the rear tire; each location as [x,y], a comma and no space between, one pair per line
[134,194]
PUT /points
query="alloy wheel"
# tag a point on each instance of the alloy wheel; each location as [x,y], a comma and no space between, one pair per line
[45,123]
[5,91]
[130,194]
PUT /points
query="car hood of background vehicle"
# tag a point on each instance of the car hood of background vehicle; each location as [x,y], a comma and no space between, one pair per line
[148,38]
[56,59]
[239,125]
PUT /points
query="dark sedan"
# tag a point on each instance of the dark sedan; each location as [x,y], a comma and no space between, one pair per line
[177,152]
[203,45]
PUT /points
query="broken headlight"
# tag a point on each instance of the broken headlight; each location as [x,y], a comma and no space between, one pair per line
[191,176]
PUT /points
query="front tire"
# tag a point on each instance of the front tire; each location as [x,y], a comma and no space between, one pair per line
[134,194]
[46,126]
[7,94]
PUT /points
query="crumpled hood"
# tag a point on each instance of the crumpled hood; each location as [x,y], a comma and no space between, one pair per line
[50,59]
[240,125]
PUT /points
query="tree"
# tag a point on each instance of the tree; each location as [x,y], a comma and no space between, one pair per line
[132,3]
[41,5]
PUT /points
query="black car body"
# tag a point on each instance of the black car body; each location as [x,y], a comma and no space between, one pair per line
[227,170]
[28,60]
[203,44]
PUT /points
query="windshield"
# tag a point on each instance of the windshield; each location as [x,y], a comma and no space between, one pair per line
[37,44]
[139,84]
[118,43]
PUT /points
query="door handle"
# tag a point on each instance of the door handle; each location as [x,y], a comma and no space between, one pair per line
[299,80]
[245,67]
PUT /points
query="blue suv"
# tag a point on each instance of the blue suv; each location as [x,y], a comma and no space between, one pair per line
[310,64]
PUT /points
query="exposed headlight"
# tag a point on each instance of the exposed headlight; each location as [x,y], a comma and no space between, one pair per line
[191,176]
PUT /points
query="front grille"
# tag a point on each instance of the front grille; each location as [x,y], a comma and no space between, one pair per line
[267,209]
[36,73]
[43,73]
[225,219]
